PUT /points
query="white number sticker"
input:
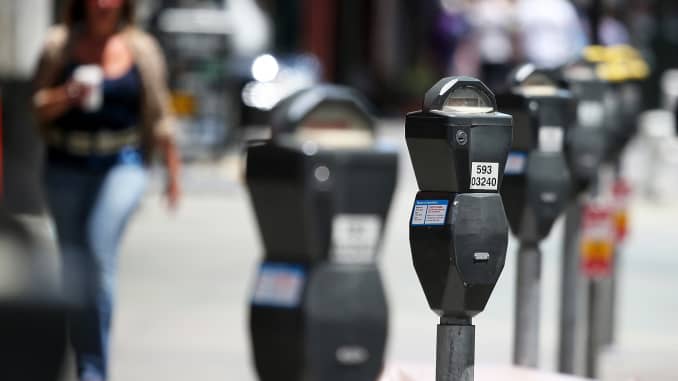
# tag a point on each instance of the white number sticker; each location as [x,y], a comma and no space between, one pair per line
[551,139]
[590,114]
[355,237]
[484,176]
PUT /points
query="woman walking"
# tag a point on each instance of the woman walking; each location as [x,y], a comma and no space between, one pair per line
[102,103]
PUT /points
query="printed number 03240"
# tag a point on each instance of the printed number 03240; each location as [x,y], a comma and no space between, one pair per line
[484,176]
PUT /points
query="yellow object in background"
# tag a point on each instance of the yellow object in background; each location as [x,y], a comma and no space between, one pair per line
[613,71]
[183,103]
[595,53]
[617,63]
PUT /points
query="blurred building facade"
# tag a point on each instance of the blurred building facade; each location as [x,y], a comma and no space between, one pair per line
[391,50]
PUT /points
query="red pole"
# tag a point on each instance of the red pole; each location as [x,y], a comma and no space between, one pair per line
[320,31]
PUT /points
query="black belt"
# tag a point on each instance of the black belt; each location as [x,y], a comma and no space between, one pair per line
[100,142]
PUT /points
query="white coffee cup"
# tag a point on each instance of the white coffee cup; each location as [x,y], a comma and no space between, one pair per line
[91,76]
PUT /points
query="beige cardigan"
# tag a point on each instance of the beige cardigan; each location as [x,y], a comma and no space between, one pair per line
[157,121]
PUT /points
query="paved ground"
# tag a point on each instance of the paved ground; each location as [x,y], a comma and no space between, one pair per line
[185,280]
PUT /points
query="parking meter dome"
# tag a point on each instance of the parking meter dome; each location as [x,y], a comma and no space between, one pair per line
[459,95]
[457,127]
[327,116]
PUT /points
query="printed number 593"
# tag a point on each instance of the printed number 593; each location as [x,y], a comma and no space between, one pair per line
[484,170]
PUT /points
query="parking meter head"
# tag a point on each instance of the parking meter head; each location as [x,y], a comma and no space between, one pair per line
[298,194]
[618,70]
[321,164]
[624,99]
[326,115]
[458,130]
[458,144]
[588,142]
[458,249]
[548,94]
[536,181]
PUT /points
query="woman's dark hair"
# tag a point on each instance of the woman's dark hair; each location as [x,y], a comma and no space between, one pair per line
[75,12]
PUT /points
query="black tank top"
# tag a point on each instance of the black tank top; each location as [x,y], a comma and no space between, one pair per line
[120,112]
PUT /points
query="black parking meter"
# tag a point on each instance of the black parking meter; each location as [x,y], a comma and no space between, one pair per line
[622,68]
[321,190]
[535,189]
[586,148]
[32,309]
[536,182]
[587,143]
[458,146]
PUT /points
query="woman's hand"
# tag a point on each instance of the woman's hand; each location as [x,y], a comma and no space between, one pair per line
[51,103]
[173,191]
[173,163]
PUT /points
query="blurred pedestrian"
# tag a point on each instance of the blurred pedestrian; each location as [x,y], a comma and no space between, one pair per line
[450,29]
[492,45]
[102,103]
[550,31]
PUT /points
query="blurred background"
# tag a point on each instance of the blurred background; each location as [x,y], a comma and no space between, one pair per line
[185,276]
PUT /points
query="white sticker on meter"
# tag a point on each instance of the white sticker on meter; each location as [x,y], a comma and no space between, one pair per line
[484,176]
[551,139]
[355,237]
[590,114]
[429,212]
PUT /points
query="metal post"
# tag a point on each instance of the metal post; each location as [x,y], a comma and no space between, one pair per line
[611,302]
[595,324]
[569,290]
[455,353]
[528,302]
[610,287]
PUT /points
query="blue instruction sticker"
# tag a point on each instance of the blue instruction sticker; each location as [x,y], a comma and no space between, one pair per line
[516,163]
[279,285]
[429,212]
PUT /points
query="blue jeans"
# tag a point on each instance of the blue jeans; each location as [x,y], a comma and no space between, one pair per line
[90,212]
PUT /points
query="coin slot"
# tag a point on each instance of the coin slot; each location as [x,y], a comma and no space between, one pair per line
[481,257]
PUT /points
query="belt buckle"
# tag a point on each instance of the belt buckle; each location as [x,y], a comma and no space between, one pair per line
[79,143]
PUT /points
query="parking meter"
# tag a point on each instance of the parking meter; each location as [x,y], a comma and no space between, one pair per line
[458,145]
[321,190]
[587,142]
[536,182]
[32,309]
[619,70]
[586,149]
[535,189]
